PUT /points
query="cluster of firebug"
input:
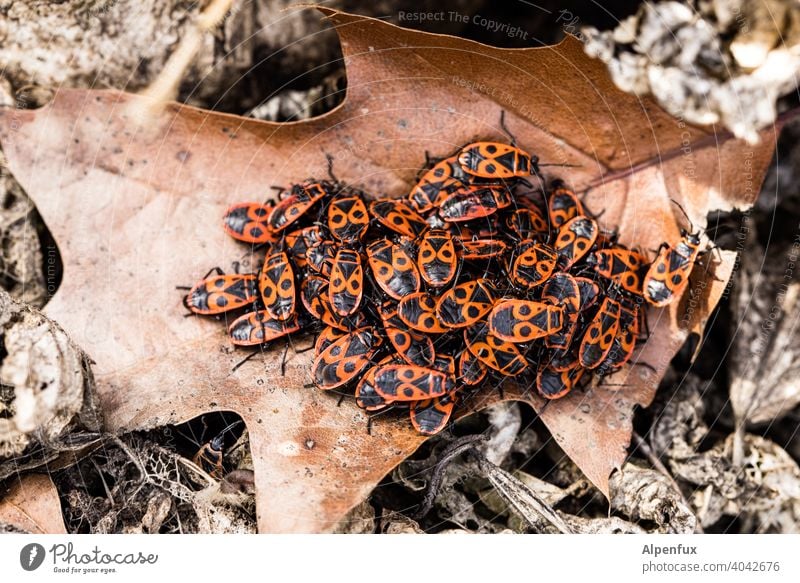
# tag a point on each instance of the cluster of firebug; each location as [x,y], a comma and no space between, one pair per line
[474,275]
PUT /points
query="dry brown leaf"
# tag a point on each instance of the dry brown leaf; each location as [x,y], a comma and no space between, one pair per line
[762,491]
[764,365]
[524,500]
[360,520]
[32,505]
[21,254]
[137,212]
[643,494]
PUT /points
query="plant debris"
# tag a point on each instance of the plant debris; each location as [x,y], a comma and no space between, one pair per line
[22,266]
[48,408]
[726,61]
[134,485]
[766,363]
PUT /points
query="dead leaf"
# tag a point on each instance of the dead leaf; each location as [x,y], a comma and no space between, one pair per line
[47,406]
[611,525]
[360,520]
[549,493]
[645,494]
[763,491]
[528,502]
[134,485]
[505,420]
[32,505]
[710,62]
[21,254]
[137,213]
[679,428]
[524,500]
[764,365]
[395,523]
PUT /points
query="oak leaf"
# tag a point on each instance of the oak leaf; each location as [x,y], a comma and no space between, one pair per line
[135,210]
[31,505]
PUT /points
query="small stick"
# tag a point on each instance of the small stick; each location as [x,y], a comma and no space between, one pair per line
[137,462]
[105,485]
[520,497]
[165,86]
[453,450]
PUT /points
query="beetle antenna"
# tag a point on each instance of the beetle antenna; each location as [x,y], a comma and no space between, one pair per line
[505,129]
[685,214]
[228,428]
[561,165]
[330,168]
[244,360]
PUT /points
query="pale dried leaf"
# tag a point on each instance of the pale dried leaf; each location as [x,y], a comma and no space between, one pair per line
[679,426]
[765,362]
[645,494]
[763,491]
[393,523]
[524,500]
[611,525]
[32,505]
[725,62]
[549,493]
[455,501]
[360,520]
[776,505]
[47,390]
[504,420]
[21,261]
